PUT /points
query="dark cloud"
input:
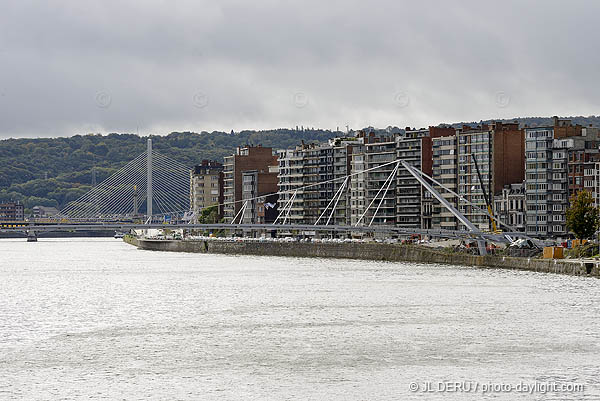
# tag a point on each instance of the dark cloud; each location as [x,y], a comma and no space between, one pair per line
[70,67]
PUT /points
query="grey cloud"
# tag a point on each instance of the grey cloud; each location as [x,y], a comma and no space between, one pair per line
[70,67]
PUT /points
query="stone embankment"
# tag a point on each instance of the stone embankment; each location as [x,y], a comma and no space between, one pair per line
[368,251]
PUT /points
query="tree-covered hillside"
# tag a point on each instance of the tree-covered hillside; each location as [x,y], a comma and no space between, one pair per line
[55,171]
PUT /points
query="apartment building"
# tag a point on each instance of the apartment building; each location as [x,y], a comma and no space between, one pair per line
[374,157]
[248,158]
[445,171]
[499,151]
[305,175]
[414,203]
[546,182]
[312,174]
[259,201]
[559,163]
[12,211]
[414,148]
[206,187]
[343,148]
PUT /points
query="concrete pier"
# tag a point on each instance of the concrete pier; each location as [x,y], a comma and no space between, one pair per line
[369,251]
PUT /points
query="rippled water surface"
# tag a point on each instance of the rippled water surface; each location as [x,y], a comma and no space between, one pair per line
[96,318]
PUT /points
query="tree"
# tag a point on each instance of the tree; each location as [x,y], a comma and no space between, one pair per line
[582,215]
[209,215]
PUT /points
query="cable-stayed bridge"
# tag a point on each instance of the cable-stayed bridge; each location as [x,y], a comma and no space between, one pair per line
[153,190]
[151,185]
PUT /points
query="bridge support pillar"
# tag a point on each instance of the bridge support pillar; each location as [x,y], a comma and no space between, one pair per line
[31,236]
[481,246]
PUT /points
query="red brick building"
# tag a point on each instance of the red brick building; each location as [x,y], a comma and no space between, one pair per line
[246,159]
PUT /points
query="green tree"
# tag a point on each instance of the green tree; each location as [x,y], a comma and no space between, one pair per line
[209,215]
[582,215]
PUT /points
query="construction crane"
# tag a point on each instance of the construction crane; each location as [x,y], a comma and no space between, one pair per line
[485,195]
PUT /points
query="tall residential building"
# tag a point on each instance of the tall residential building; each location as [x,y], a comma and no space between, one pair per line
[546,182]
[414,203]
[12,211]
[342,168]
[258,198]
[305,179]
[499,152]
[414,147]
[246,158]
[206,187]
[556,164]
[376,151]
[445,171]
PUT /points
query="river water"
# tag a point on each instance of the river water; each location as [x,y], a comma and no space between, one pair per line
[99,319]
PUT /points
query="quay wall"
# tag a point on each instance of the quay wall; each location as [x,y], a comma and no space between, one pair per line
[369,251]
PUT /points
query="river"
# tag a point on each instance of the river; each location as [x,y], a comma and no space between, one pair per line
[100,319]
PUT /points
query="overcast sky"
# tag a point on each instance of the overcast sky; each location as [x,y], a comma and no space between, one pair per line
[73,66]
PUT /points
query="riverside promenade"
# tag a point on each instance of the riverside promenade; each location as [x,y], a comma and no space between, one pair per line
[368,251]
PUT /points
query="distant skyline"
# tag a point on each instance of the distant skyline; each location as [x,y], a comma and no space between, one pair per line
[153,67]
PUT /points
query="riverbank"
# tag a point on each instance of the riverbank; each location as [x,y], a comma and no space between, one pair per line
[368,251]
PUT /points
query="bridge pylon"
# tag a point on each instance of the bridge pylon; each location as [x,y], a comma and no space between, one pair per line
[149,180]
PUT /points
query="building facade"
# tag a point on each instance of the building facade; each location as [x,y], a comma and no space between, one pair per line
[545,181]
[259,202]
[248,158]
[497,150]
[510,207]
[12,211]
[373,194]
[305,175]
[414,203]
[313,177]
[559,163]
[44,211]
[414,148]
[343,149]
[445,171]
[206,187]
